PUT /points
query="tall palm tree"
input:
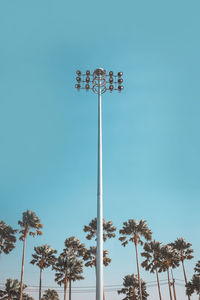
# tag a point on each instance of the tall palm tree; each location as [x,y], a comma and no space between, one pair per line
[50,295]
[63,266]
[75,274]
[153,260]
[43,258]
[169,258]
[108,230]
[7,238]
[131,288]
[136,230]
[29,221]
[184,251]
[12,291]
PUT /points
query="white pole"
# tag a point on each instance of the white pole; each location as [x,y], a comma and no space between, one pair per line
[99,203]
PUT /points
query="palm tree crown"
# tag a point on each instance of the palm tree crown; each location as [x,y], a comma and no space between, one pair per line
[136,230]
[131,288]
[29,220]
[169,258]
[7,238]
[108,229]
[12,291]
[90,257]
[44,256]
[152,253]
[183,249]
[74,246]
[197,268]
[50,295]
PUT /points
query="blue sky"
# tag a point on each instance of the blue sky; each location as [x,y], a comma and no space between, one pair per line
[48,131]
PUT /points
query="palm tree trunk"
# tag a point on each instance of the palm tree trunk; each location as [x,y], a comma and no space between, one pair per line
[169,283]
[173,284]
[40,286]
[96,278]
[134,296]
[70,289]
[185,275]
[22,270]
[65,286]
[158,282]
[138,271]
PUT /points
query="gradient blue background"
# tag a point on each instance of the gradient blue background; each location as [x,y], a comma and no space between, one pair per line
[48,131]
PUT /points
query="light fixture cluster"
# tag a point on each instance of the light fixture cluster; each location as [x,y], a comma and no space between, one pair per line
[115,81]
[87,80]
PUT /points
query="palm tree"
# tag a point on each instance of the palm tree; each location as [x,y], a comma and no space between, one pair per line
[136,230]
[152,262]
[169,258]
[197,268]
[108,230]
[184,251]
[12,291]
[50,295]
[194,284]
[75,274]
[74,246]
[131,288]
[90,256]
[63,266]
[26,297]
[29,221]
[43,258]
[7,238]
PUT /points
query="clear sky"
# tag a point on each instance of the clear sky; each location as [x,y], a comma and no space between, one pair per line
[48,131]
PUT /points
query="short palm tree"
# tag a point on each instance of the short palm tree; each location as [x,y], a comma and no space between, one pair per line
[63,266]
[90,257]
[75,274]
[50,295]
[43,258]
[169,258]
[108,230]
[29,221]
[74,246]
[7,238]
[152,259]
[194,284]
[12,291]
[131,288]
[133,231]
[185,253]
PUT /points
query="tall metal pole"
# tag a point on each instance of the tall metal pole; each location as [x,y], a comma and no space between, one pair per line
[99,203]
[99,86]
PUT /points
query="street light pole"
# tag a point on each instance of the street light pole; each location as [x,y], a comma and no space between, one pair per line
[99,86]
[99,287]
